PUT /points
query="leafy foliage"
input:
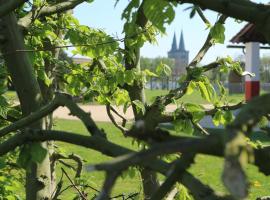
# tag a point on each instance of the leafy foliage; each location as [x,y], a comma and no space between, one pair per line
[159,12]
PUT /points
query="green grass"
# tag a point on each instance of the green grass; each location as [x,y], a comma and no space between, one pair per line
[195,97]
[206,168]
[123,186]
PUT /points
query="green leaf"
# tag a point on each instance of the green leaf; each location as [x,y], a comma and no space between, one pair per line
[197,116]
[184,126]
[196,110]
[263,122]
[2,163]
[139,106]
[163,69]
[128,10]
[191,87]
[218,118]
[159,12]
[43,76]
[203,90]
[38,153]
[190,107]
[129,77]
[149,73]
[228,117]
[218,33]
[24,158]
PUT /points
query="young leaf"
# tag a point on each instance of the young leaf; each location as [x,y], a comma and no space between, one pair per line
[163,69]
[204,91]
[191,87]
[190,107]
[218,33]
[38,153]
[159,12]
[139,106]
[218,118]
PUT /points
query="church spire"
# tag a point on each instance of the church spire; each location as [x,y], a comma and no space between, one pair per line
[182,43]
[174,43]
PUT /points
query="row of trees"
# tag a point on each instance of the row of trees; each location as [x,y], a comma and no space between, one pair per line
[31,35]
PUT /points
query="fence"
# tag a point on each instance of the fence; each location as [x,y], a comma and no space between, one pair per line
[170,83]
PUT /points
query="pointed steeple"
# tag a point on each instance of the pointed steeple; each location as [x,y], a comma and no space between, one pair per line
[182,43]
[174,43]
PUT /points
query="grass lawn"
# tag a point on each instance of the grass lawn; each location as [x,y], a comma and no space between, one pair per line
[260,184]
[195,97]
[124,186]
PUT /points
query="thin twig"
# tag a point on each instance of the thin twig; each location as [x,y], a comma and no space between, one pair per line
[121,128]
[119,115]
[72,183]
[79,45]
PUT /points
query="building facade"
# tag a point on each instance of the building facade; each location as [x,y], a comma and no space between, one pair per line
[180,55]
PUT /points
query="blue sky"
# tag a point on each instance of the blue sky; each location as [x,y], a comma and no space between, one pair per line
[102,14]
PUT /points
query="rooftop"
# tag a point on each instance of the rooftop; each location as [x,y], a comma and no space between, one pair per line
[249,33]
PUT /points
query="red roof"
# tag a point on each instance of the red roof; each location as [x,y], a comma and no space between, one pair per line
[249,34]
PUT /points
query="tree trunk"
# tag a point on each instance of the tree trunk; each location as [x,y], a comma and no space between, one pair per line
[136,92]
[27,88]
[150,182]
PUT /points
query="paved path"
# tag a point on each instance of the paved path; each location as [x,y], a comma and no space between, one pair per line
[99,114]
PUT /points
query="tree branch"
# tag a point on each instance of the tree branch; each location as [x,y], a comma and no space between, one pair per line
[256,13]
[173,176]
[9,6]
[121,128]
[207,45]
[59,100]
[210,145]
[48,10]
[73,185]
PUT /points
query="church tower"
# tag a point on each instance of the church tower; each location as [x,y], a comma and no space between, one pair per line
[180,55]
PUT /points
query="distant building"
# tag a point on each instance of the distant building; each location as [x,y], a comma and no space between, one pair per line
[180,55]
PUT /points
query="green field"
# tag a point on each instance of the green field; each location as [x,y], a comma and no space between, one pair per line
[206,168]
[195,97]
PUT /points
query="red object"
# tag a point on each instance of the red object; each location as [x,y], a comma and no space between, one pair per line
[252,89]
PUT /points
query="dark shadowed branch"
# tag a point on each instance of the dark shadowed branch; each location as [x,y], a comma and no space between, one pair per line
[47,10]
[59,100]
[9,6]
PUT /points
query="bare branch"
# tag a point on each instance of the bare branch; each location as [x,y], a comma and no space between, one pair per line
[107,186]
[58,157]
[117,113]
[202,16]
[206,46]
[228,107]
[173,176]
[73,184]
[121,128]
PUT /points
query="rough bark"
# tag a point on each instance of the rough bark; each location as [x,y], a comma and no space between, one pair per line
[136,92]
[27,88]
